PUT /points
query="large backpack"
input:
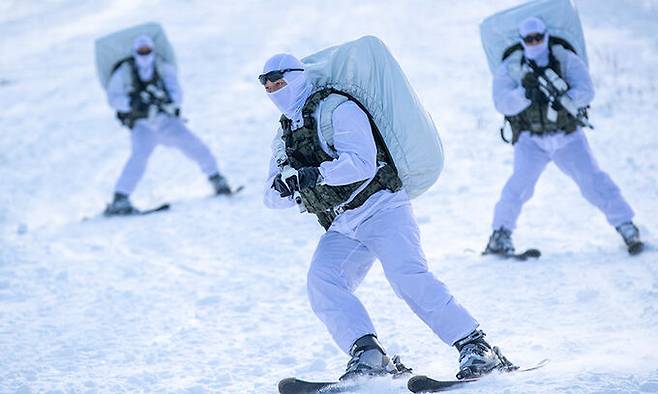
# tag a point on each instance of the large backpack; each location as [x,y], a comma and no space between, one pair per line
[366,71]
[114,49]
[500,35]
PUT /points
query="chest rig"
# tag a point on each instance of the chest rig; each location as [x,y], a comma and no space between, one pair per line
[304,149]
[534,118]
[143,91]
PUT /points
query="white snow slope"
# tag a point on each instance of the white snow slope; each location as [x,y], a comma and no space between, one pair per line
[210,297]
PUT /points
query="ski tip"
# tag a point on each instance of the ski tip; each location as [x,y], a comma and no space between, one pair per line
[523,256]
[159,208]
[416,378]
[540,364]
[236,190]
[543,362]
[285,384]
[425,384]
[231,192]
[414,383]
[533,253]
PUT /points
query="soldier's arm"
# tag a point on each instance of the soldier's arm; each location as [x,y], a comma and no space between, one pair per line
[354,145]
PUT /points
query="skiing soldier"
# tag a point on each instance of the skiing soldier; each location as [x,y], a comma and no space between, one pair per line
[544,131]
[145,93]
[377,222]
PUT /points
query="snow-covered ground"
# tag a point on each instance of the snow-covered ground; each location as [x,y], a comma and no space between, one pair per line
[210,297]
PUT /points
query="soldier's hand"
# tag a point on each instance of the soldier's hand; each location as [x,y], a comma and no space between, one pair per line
[280,186]
[137,105]
[308,177]
[530,81]
[532,91]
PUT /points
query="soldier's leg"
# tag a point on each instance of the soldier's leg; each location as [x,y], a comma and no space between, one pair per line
[577,161]
[176,134]
[393,236]
[338,267]
[143,141]
[529,162]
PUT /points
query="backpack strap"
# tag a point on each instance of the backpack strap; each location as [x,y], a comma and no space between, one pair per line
[325,116]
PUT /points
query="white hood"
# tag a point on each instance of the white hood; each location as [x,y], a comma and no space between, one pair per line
[291,98]
[145,63]
[539,52]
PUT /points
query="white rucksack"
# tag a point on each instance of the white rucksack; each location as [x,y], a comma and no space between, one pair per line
[116,47]
[500,34]
[366,70]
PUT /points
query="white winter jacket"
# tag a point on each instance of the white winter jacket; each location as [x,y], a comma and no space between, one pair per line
[509,96]
[120,86]
[355,160]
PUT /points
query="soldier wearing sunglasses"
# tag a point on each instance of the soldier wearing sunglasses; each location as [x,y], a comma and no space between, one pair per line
[144,91]
[547,132]
[358,198]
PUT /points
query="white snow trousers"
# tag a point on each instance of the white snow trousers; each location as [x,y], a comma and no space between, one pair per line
[340,263]
[572,155]
[171,132]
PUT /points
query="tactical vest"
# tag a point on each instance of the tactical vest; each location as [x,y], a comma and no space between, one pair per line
[128,119]
[303,149]
[534,118]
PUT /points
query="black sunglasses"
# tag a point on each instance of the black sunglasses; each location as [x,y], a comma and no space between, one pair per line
[537,37]
[275,75]
[144,51]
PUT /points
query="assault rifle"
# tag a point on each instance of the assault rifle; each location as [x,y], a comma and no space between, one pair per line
[158,98]
[289,176]
[555,89]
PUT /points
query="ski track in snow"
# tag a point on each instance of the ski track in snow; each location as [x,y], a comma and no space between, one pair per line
[210,297]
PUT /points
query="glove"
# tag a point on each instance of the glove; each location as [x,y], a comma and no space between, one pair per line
[530,81]
[280,186]
[308,177]
[137,105]
[531,85]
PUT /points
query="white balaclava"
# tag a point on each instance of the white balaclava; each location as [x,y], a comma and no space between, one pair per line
[144,62]
[291,98]
[538,52]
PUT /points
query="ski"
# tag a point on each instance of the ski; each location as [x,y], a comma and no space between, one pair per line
[298,386]
[160,208]
[236,190]
[425,384]
[523,256]
[231,192]
[140,212]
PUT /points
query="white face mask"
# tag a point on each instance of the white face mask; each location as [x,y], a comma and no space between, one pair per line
[534,52]
[283,99]
[145,61]
[145,65]
[291,98]
[539,52]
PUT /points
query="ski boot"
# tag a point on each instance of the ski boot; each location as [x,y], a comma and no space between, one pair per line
[120,206]
[500,242]
[478,358]
[631,236]
[370,359]
[219,184]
